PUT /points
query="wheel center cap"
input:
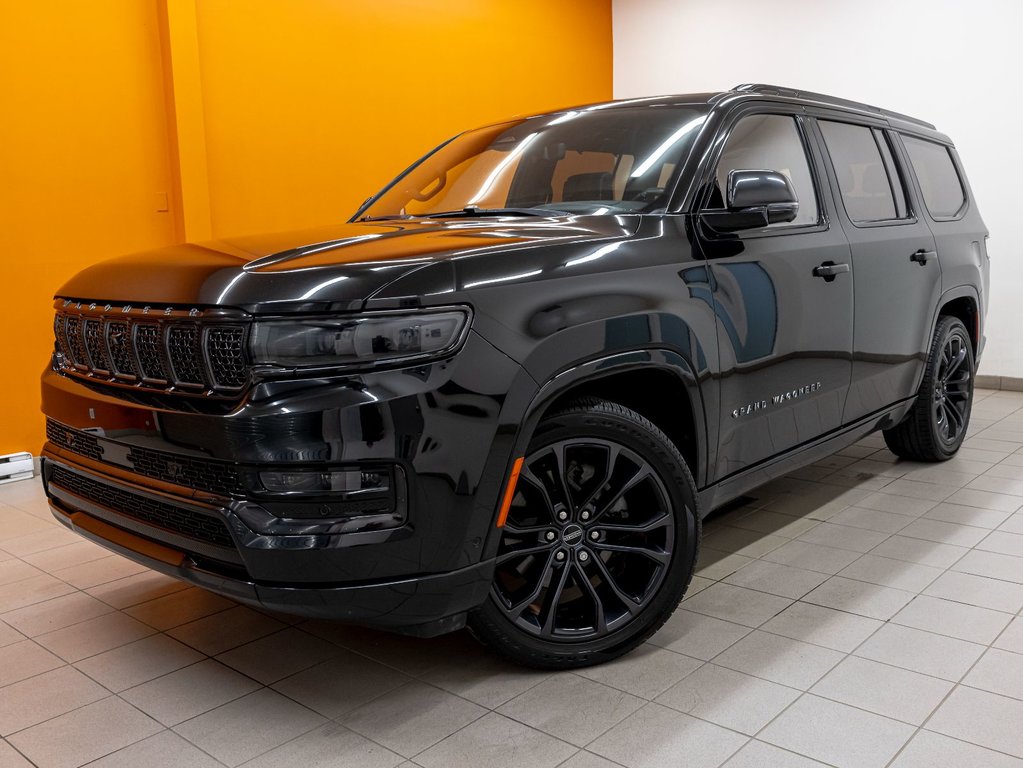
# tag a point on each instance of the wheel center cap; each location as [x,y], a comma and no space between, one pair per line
[572,535]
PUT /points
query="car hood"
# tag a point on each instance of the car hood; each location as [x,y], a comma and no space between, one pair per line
[331,268]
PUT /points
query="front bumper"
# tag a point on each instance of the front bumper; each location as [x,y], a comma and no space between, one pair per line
[173,489]
[425,604]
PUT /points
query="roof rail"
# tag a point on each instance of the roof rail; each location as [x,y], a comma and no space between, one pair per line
[777,90]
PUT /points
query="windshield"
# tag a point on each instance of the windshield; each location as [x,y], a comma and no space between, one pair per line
[590,161]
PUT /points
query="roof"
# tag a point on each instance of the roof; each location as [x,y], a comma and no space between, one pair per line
[820,98]
[759,90]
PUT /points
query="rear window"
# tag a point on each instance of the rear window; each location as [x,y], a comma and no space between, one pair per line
[939,180]
[863,177]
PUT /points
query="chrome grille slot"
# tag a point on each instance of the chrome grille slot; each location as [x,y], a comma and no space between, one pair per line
[184,351]
[73,334]
[96,346]
[121,355]
[60,336]
[185,355]
[225,351]
[149,347]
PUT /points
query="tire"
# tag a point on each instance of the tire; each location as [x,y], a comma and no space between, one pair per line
[936,426]
[600,542]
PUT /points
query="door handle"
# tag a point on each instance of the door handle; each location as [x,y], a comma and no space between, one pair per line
[829,270]
[922,256]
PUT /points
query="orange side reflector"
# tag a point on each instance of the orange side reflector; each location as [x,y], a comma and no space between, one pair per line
[509,492]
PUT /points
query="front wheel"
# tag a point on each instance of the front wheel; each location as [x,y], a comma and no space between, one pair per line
[936,425]
[600,541]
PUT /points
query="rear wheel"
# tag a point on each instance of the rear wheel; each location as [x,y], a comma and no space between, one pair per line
[936,426]
[600,542]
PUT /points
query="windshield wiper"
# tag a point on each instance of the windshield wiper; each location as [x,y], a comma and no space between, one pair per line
[389,217]
[473,211]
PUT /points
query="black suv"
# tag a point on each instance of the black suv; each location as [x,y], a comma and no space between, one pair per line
[507,390]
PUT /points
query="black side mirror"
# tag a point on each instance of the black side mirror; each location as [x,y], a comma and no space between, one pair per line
[754,199]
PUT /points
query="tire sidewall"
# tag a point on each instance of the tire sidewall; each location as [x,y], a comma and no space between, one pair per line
[949,327]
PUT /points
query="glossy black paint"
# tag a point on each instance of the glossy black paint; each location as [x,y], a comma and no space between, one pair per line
[731,320]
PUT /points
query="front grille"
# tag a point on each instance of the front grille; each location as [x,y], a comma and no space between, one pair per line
[81,443]
[201,474]
[211,476]
[186,522]
[190,351]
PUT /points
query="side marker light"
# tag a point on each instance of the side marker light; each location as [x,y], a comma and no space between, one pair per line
[509,492]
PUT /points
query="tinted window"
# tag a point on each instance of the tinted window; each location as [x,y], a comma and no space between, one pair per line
[769,143]
[593,161]
[943,192]
[862,175]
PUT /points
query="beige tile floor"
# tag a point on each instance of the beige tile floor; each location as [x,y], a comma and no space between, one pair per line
[862,611]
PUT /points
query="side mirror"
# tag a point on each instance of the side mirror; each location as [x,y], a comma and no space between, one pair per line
[754,199]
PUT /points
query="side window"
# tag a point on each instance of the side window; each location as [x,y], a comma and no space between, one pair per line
[863,177]
[939,180]
[769,143]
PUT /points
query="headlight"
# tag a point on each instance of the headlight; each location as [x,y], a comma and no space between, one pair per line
[358,341]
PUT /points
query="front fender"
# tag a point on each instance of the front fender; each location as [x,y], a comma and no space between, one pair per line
[526,411]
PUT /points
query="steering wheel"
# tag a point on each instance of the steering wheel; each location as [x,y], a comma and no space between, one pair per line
[648,195]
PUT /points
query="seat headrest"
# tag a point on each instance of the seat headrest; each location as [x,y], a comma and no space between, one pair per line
[588,186]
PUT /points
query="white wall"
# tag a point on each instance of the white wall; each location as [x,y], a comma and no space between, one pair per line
[956,64]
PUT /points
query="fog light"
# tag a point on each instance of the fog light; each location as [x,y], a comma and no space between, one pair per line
[347,481]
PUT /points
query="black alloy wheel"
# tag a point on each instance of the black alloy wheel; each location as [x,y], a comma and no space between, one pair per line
[936,425]
[589,542]
[599,543]
[953,388]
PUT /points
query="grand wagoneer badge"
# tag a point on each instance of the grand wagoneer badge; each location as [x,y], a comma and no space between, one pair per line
[760,405]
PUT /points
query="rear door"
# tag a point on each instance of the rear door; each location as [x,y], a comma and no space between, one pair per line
[896,274]
[784,332]
[958,228]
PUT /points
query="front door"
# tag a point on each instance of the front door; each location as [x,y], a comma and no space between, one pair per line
[784,326]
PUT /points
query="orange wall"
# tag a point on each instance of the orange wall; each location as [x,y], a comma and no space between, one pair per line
[312,106]
[83,159]
[307,107]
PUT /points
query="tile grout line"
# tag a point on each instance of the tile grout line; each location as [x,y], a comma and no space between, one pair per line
[22,754]
[956,686]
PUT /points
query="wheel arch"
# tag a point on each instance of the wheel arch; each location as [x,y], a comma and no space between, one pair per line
[608,377]
[651,393]
[659,384]
[963,303]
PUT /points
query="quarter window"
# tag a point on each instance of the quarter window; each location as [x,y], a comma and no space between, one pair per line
[863,177]
[769,143]
[939,180]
